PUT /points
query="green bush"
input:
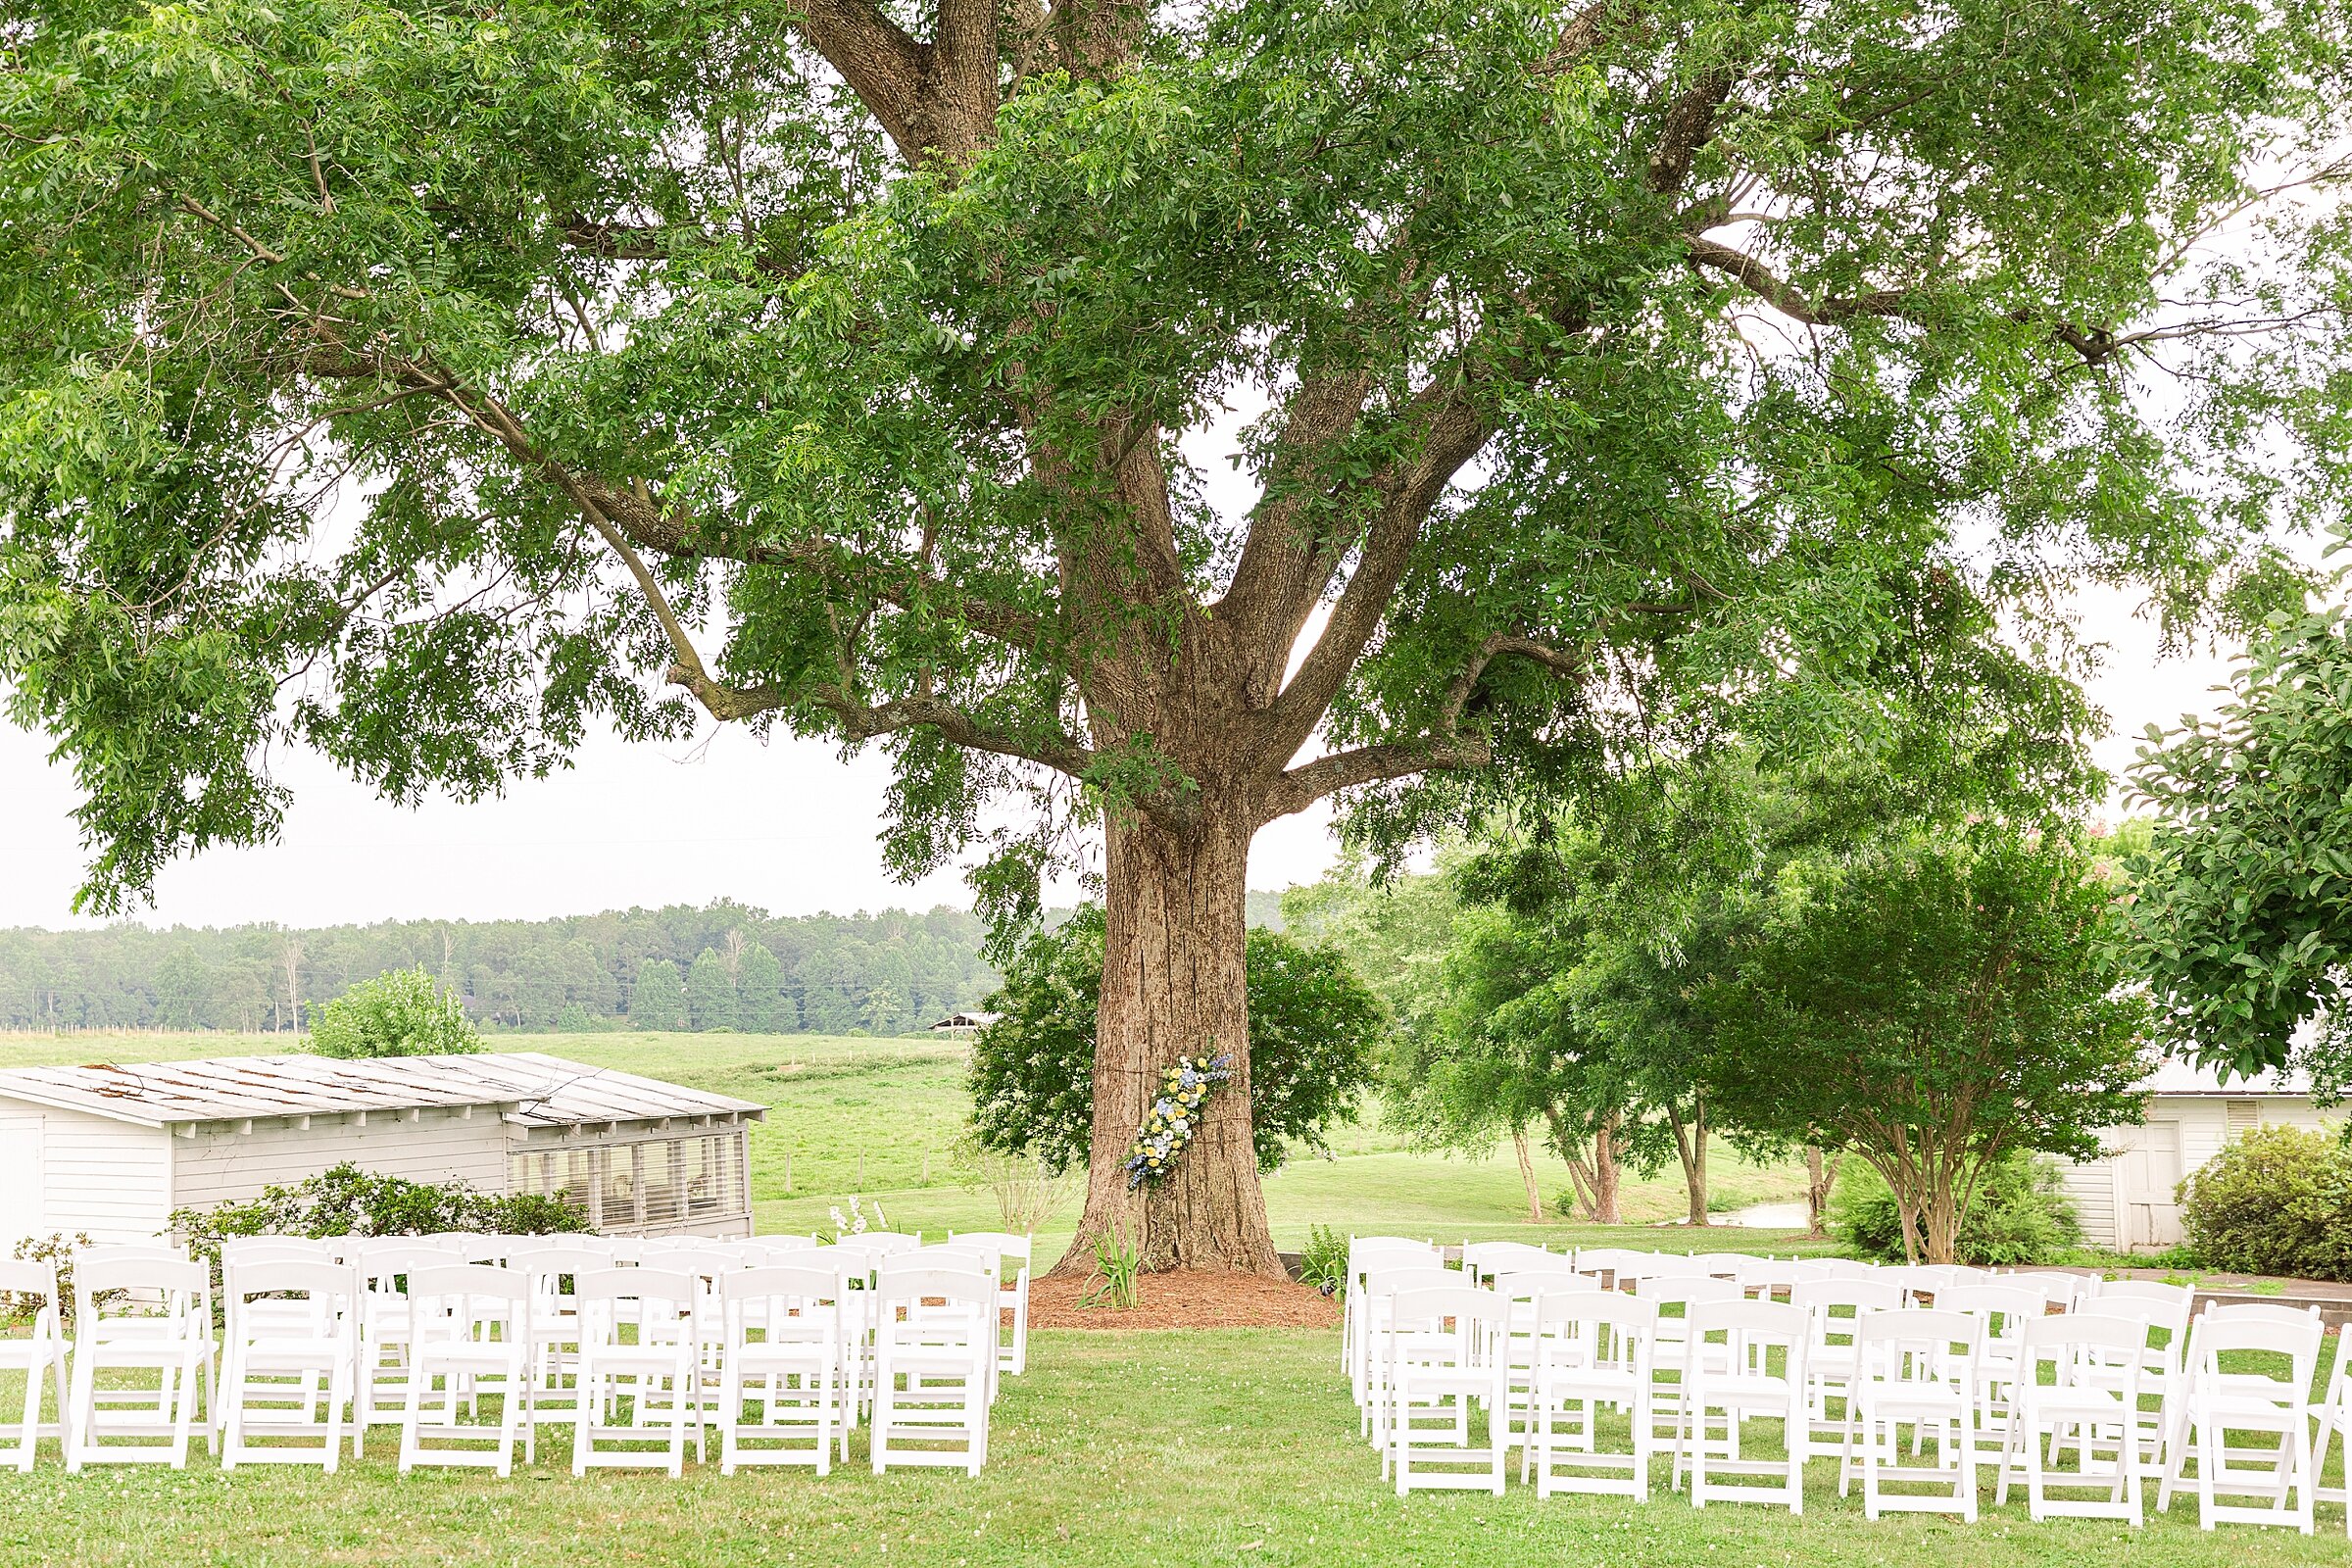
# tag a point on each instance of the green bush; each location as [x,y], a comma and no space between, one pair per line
[55,1249]
[347,1200]
[401,1013]
[2019,1217]
[2276,1201]
[1324,1263]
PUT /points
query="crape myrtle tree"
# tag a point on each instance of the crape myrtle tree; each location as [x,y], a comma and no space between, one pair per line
[426,382]
[1935,1001]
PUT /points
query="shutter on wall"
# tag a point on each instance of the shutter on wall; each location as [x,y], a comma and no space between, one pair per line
[2245,1115]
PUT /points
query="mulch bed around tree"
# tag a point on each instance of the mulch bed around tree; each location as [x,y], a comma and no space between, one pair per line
[1188,1299]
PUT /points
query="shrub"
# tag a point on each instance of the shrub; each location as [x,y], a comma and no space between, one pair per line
[2019,1216]
[58,1248]
[347,1200]
[1324,1263]
[2276,1201]
[401,1013]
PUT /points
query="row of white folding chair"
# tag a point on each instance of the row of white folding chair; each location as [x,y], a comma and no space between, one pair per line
[2080,1375]
[639,1334]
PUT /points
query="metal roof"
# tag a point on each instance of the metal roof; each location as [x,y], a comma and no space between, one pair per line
[2176,1077]
[529,1089]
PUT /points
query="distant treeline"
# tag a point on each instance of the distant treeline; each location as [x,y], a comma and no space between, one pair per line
[725,966]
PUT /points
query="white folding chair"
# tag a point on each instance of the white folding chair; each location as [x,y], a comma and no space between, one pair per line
[2064,1287]
[1731,1345]
[1380,1286]
[1770,1277]
[2262,1391]
[470,1329]
[1917,1368]
[1011,1264]
[1444,1363]
[780,1395]
[1522,1289]
[291,1359]
[1614,1266]
[934,1363]
[2005,1309]
[40,1356]
[386,1330]
[169,1334]
[552,1269]
[2164,1310]
[1364,1254]
[1592,1350]
[2081,1374]
[1833,1311]
[1481,1260]
[888,1244]
[640,1374]
[1671,1351]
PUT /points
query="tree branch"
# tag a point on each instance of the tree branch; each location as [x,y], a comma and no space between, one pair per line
[1444,747]
[1785,296]
[883,64]
[863,721]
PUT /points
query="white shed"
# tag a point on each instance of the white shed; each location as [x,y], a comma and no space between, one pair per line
[111,1150]
[2126,1198]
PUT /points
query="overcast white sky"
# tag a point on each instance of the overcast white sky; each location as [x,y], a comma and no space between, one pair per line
[787,826]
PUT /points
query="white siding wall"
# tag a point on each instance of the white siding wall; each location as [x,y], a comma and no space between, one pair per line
[2091,1185]
[2206,1123]
[108,1180]
[221,1166]
[22,1207]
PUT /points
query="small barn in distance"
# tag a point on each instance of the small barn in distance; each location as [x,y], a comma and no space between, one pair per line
[2126,1198]
[111,1150]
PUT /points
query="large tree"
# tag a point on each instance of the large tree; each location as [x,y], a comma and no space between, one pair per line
[425,382]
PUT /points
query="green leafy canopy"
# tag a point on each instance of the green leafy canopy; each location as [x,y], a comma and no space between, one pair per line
[428,383]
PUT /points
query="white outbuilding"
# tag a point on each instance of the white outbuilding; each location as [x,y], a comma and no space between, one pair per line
[2127,1197]
[110,1150]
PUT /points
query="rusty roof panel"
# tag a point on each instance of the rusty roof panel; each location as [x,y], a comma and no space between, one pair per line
[533,1089]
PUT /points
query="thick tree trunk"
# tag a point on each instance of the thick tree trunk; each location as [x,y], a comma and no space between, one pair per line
[1527,1176]
[1173,986]
[1607,1171]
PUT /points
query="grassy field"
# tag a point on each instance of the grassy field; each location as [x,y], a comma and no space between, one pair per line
[1137,1449]
[1121,1450]
[883,1118]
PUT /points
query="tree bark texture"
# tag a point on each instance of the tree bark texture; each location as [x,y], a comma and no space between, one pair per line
[1690,1148]
[1173,986]
[1527,1176]
[1821,1179]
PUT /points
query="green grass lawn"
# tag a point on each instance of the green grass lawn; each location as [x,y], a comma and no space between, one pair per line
[883,1118]
[1120,1449]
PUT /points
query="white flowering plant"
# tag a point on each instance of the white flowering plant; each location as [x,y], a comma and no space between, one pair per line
[853,1223]
[1175,1115]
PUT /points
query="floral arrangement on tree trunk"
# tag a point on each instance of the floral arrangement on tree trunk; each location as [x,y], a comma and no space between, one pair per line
[1175,1115]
